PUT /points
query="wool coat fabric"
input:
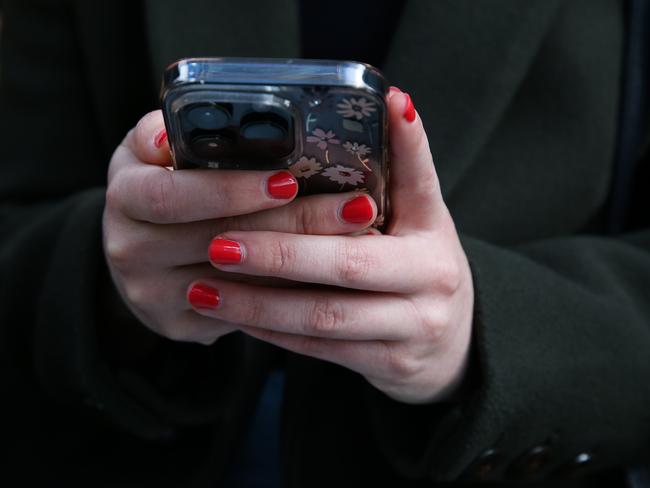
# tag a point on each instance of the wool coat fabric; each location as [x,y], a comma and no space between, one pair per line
[521,105]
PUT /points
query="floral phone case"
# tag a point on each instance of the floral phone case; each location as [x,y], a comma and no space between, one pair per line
[325,121]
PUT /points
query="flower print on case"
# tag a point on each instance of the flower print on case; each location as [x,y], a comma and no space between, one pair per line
[357,108]
[322,138]
[344,175]
[305,167]
[358,150]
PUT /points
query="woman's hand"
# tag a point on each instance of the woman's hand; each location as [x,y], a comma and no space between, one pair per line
[398,307]
[158,223]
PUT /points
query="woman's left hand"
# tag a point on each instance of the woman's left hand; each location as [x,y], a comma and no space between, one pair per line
[399,306]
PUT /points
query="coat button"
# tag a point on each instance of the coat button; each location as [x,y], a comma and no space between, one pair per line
[485,465]
[575,467]
[530,463]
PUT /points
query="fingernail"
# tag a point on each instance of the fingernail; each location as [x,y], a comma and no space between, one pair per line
[357,210]
[224,251]
[203,296]
[282,185]
[409,111]
[160,139]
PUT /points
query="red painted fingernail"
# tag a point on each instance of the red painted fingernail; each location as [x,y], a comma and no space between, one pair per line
[282,185]
[203,296]
[224,251]
[357,210]
[160,139]
[409,111]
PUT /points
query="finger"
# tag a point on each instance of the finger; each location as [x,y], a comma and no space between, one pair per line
[185,244]
[377,263]
[368,358]
[148,141]
[368,231]
[318,313]
[158,300]
[188,326]
[414,187]
[153,194]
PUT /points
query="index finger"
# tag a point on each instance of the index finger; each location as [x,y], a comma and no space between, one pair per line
[148,140]
[153,194]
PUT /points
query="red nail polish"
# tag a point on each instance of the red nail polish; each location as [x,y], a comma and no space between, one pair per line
[203,296]
[224,251]
[160,139]
[357,210]
[409,111]
[282,185]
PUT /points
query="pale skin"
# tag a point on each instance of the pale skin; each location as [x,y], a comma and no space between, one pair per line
[398,307]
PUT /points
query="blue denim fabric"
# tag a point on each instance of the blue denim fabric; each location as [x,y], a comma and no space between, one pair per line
[259,464]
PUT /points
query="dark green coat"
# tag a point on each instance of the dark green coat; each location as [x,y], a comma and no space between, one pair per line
[520,101]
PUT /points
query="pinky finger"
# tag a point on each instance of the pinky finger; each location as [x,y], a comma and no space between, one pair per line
[368,358]
[189,326]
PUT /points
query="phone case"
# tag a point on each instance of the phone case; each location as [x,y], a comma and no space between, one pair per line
[325,121]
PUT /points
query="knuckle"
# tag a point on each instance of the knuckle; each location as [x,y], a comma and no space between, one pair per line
[432,325]
[448,276]
[159,195]
[305,219]
[113,196]
[434,329]
[118,252]
[137,294]
[353,262]
[116,192]
[325,316]
[253,313]
[178,333]
[402,366]
[281,257]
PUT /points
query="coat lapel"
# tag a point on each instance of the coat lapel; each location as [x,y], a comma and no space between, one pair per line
[462,61]
[191,28]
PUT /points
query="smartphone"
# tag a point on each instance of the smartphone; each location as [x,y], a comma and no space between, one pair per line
[325,121]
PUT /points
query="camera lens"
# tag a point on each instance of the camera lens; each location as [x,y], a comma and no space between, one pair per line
[211,146]
[267,137]
[208,116]
[264,130]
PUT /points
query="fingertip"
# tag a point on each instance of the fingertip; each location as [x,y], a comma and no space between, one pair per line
[400,105]
[406,131]
[160,139]
[409,113]
[202,295]
[150,143]
[361,209]
[282,186]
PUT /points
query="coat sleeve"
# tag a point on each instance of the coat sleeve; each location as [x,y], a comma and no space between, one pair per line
[561,365]
[56,298]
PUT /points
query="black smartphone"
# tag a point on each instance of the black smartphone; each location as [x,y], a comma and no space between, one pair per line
[325,121]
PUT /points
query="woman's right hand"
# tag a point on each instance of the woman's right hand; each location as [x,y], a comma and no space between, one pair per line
[158,224]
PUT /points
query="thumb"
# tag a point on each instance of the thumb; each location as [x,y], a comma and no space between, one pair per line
[415,195]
